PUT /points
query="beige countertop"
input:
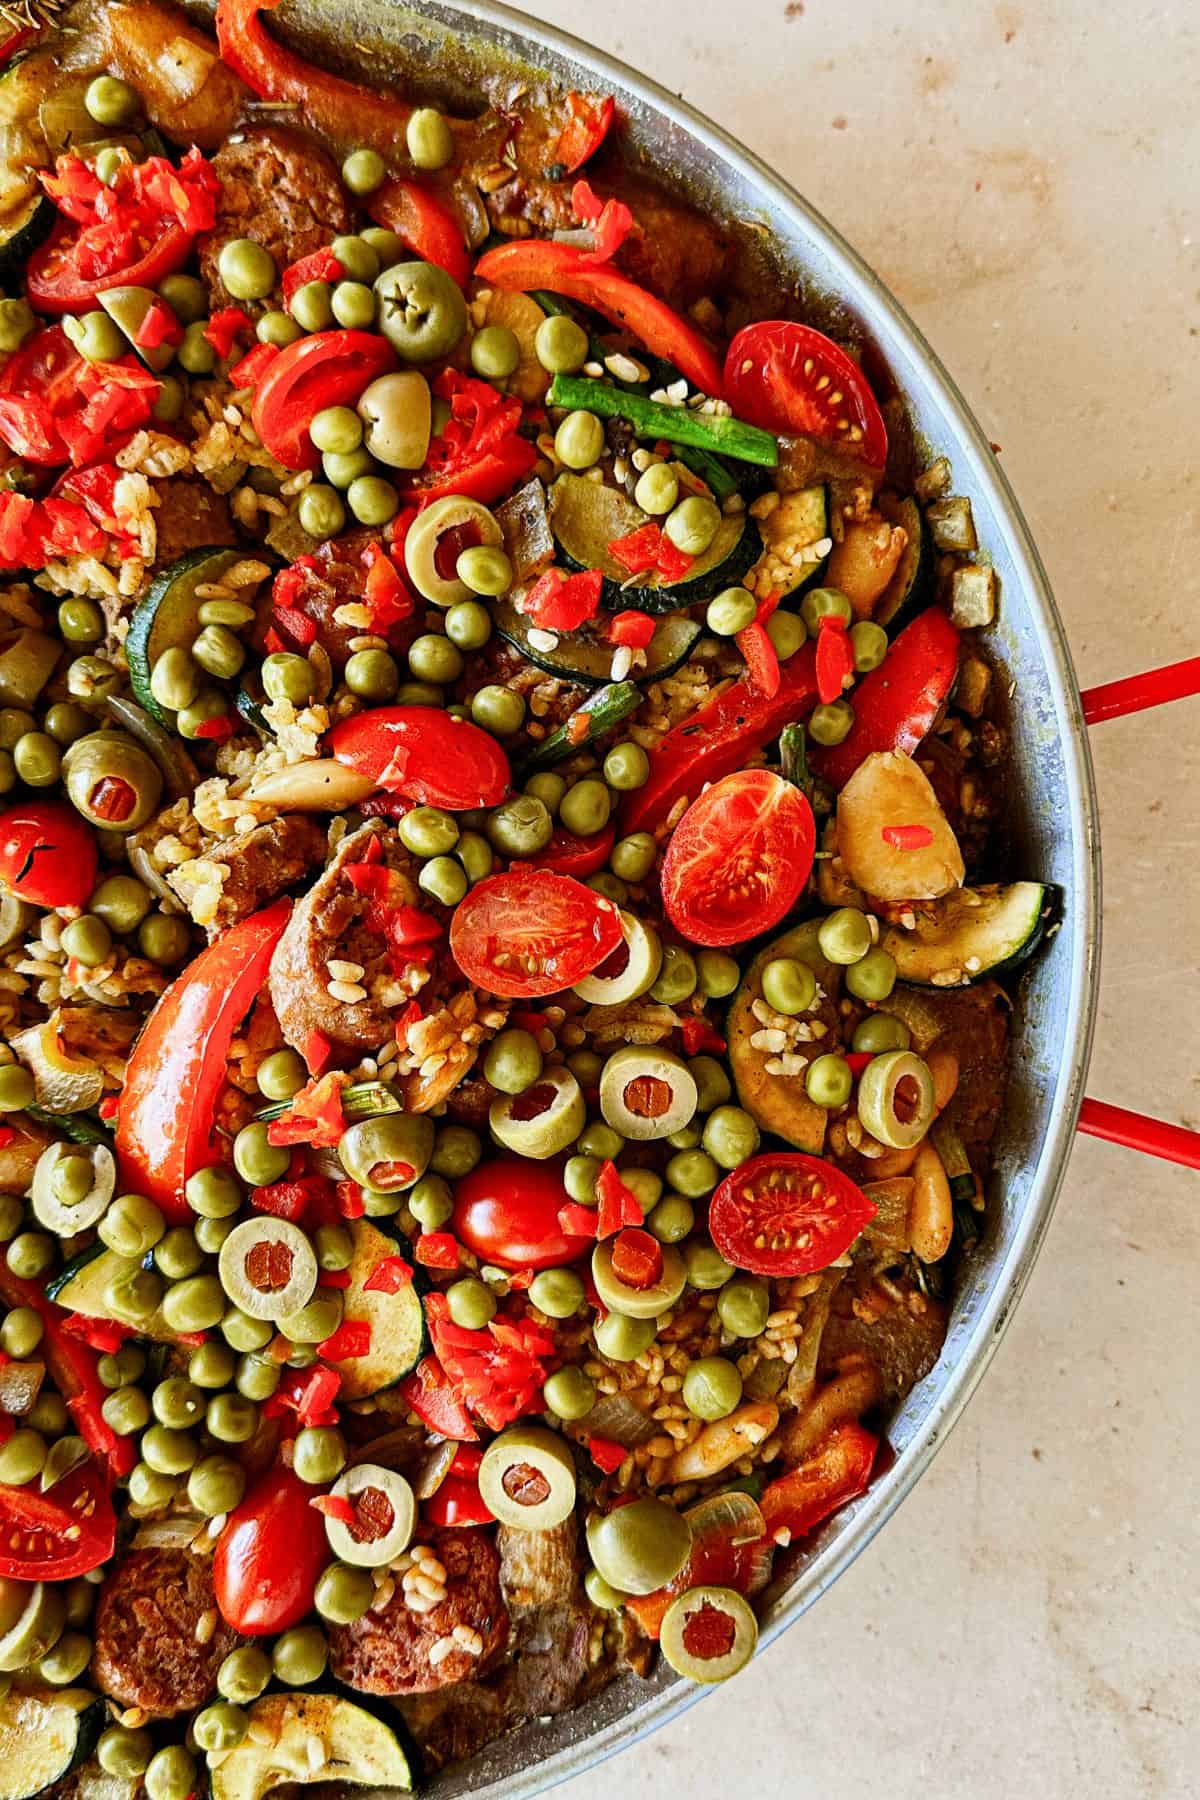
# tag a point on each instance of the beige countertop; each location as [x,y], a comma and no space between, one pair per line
[1027,180]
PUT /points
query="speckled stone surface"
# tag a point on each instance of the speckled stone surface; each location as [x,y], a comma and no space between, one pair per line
[1027,179]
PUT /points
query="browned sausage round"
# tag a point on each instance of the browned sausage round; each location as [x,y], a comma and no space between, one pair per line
[189,516]
[279,188]
[389,1652]
[147,1652]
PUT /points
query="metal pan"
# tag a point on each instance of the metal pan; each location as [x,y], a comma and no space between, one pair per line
[1053,808]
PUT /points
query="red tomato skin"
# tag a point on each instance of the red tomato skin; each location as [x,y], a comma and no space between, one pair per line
[750,829]
[425,755]
[330,368]
[457,1501]
[835,1470]
[770,373]
[47,854]
[568,854]
[507,1212]
[38,1522]
[533,909]
[827,1219]
[269,1555]
[182,1051]
[54,287]
[897,703]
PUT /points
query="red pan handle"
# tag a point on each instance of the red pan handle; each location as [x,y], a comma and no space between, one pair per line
[1112,700]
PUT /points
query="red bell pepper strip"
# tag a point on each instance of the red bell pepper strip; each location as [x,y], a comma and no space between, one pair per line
[390,1274]
[762,660]
[858,1059]
[309,1394]
[700,1036]
[897,703]
[249,371]
[456,1501]
[836,1470]
[562,269]
[424,222]
[318,265]
[330,368]
[611,221]
[437,1250]
[72,1364]
[558,602]
[429,1393]
[618,1204]
[606,1453]
[177,1070]
[835,659]
[105,1336]
[160,326]
[718,738]
[584,132]
[329,105]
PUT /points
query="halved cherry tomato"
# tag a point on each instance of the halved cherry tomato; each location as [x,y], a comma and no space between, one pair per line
[834,1471]
[720,737]
[896,704]
[47,854]
[506,1211]
[177,1070]
[269,1555]
[424,222]
[786,1214]
[57,286]
[529,932]
[330,368]
[457,1501]
[567,854]
[424,754]
[791,379]
[60,1534]
[738,858]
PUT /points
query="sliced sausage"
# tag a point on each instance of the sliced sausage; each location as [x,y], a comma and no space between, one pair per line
[189,516]
[390,1651]
[265,862]
[279,188]
[153,1645]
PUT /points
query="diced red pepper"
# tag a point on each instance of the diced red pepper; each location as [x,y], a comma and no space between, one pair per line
[699,1036]
[290,1199]
[617,1204]
[632,628]
[390,1274]
[858,1059]
[73,1368]
[225,327]
[585,130]
[315,1114]
[567,854]
[558,602]
[638,550]
[319,265]
[429,1393]
[308,1393]
[907,837]
[577,1221]
[253,366]
[335,1278]
[498,1372]
[350,1203]
[611,221]
[762,659]
[160,326]
[468,1460]
[218,730]
[835,1471]
[671,562]
[456,1501]
[351,1339]
[385,594]
[335,1506]
[606,1453]
[316,1051]
[104,1335]
[835,659]
[478,448]
[437,1250]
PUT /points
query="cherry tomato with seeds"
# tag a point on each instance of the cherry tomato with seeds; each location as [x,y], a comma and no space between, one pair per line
[529,932]
[791,379]
[786,1213]
[47,854]
[59,1534]
[738,859]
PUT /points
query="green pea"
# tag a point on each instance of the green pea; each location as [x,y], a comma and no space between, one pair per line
[298,1657]
[353,305]
[579,1178]
[468,624]
[216,1485]
[622,1339]
[125,1411]
[431,1202]
[444,879]
[712,1387]
[521,826]
[372,674]
[213,1192]
[38,759]
[281,1075]
[21,1332]
[211,1365]
[11,1214]
[432,657]
[548,786]
[561,345]
[420,693]
[92,678]
[486,569]
[338,429]
[845,936]
[599,1139]
[313,1323]
[257,1377]
[17,323]
[498,710]
[14,723]
[829,725]
[495,353]
[334,1246]
[828,1080]
[475,855]
[172,1773]
[713,1086]
[225,612]
[96,337]
[278,329]
[287,677]
[111,101]
[22,1456]
[17,1088]
[357,257]
[609,886]
[569,1393]
[134,1298]
[30,1254]
[178,1254]
[186,296]
[471,1303]
[579,441]
[65,722]
[731,611]
[693,1173]
[178,1403]
[256,1159]
[80,622]
[241,1332]
[175,679]
[672,1219]
[677,977]
[195,353]
[343,1594]
[80,1596]
[693,524]
[870,645]
[341,471]
[169,401]
[558,1293]
[429,138]
[244,1675]
[706,1267]
[247,270]
[626,767]
[311,306]
[880,1032]
[164,938]
[644,1185]
[456,1151]
[124,1753]
[586,807]
[150,1488]
[231,1418]
[789,986]
[687,1137]
[657,489]
[717,974]
[633,858]
[730,1136]
[601,1593]
[195,1304]
[873,977]
[743,1306]
[168,1452]
[513,1061]
[71,1180]
[824,603]
[217,650]
[428,831]
[373,501]
[127,1365]
[320,511]
[363,171]
[220,1726]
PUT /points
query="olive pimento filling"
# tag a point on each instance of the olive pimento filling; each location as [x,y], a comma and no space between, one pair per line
[374,1515]
[646,1097]
[534,1101]
[112,799]
[526,1485]
[268,1266]
[709,1633]
[614,964]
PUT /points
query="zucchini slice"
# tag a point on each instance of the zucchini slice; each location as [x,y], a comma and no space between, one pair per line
[362,1748]
[582,656]
[26,215]
[586,516]
[45,1732]
[971,933]
[778,1103]
[912,583]
[82,1284]
[168,616]
[397,1320]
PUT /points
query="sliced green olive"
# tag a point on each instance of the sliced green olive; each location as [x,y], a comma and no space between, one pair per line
[628,971]
[385,1513]
[63,1208]
[112,781]
[32,1616]
[709,1633]
[433,570]
[268,1268]
[543,1119]
[638,1303]
[646,1092]
[527,1478]
[422,312]
[127,308]
[896,1100]
[640,1547]
[396,411]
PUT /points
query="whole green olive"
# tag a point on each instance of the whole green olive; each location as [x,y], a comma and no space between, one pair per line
[389,1153]
[640,1547]
[112,781]
[396,414]
[422,312]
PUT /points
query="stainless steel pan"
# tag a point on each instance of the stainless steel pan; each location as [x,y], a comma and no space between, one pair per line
[1053,806]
